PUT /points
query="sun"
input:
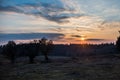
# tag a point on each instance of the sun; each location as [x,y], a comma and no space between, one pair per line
[82,39]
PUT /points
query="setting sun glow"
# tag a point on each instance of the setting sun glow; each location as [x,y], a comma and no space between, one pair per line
[82,39]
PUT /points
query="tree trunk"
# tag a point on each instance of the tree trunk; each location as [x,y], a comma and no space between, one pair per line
[46,57]
[12,60]
[31,59]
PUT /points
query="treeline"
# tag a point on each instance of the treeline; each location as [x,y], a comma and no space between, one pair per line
[12,50]
[79,50]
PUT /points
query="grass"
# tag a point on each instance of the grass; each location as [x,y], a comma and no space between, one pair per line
[87,68]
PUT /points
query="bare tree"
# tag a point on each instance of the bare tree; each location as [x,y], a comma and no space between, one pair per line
[32,51]
[118,42]
[45,47]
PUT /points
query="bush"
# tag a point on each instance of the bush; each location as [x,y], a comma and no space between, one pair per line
[118,43]
[9,51]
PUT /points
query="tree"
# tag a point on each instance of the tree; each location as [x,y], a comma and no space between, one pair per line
[33,52]
[118,42]
[9,51]
[45,47]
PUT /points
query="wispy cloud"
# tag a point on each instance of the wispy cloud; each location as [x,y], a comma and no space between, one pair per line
[52,12]
[112,25]
[83,29]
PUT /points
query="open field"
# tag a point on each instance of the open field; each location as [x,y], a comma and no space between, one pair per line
[102,67]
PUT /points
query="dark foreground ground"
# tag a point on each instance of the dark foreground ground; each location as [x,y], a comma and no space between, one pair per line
[102,67]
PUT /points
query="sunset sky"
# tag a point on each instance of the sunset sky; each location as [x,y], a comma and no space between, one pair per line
[63,21]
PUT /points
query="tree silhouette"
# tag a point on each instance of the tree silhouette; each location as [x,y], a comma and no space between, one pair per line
[118,42]
[45,47]
[9,51]
[32,50]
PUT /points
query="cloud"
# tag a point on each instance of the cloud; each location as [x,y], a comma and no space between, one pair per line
[112,25]
[57,29]
[77,36]
[83,29]
[1,31]
[61,10]
[10,9]
[95,39]
[51,12]
[29,36]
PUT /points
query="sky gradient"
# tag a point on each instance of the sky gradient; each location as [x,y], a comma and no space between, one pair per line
[63,21]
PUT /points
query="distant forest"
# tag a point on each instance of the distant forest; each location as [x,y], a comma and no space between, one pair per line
[46,48]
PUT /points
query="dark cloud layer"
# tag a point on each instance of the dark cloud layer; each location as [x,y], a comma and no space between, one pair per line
[76,36]
[95,39]
[10,9]
[56,13]
[29,36]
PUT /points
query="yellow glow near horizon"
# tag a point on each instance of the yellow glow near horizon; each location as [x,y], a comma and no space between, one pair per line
[82,39]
